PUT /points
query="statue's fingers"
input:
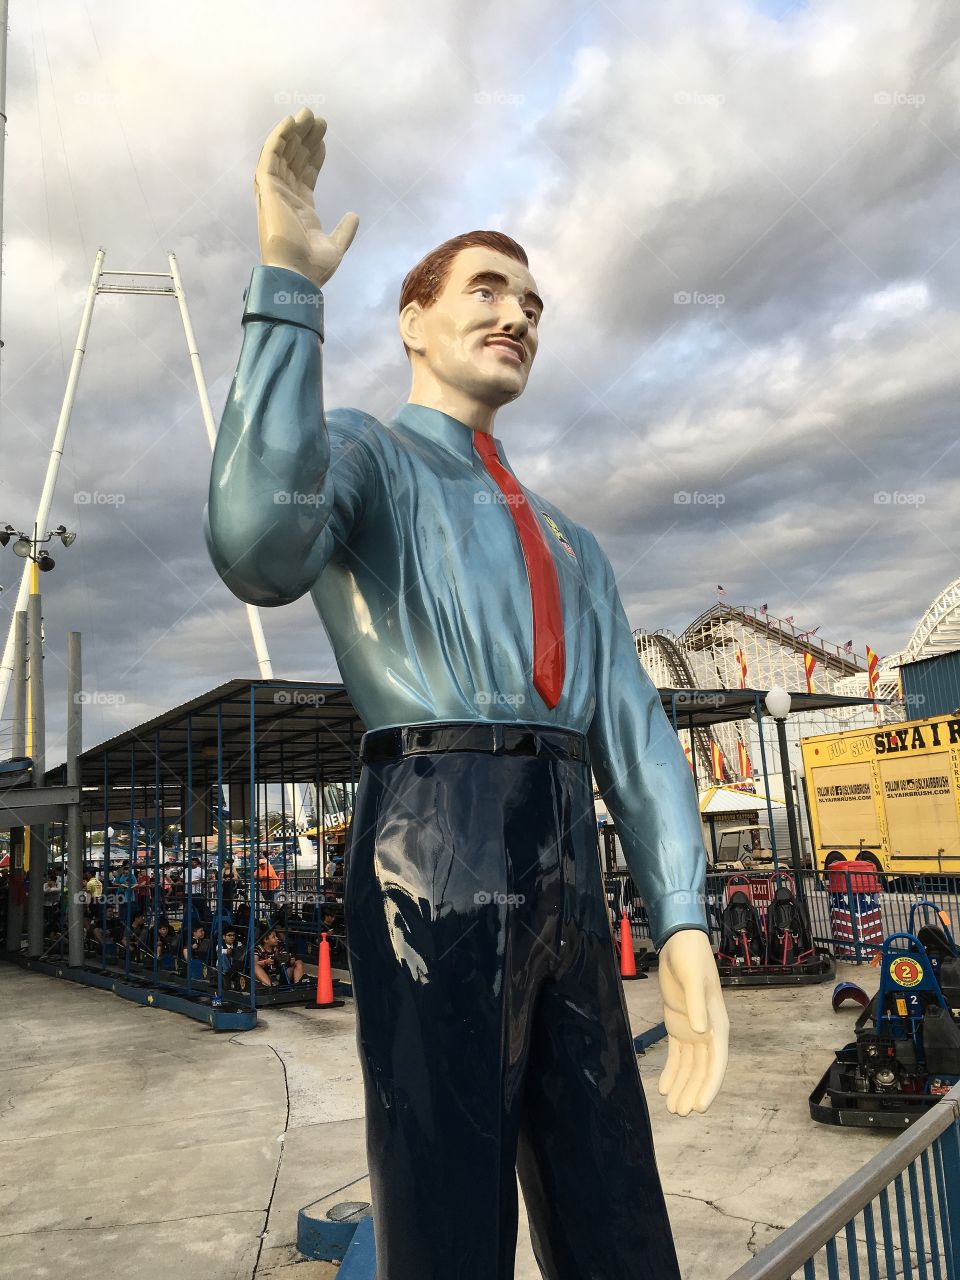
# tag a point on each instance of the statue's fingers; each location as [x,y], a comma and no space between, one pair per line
[683,1076]
[313,139]
[698,1074]
[669,1072]
[343,233]
[713,1074]
[276,141]
[316,155]
[297,157]
[717,1051]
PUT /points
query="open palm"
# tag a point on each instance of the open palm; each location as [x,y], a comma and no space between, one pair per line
[291,235]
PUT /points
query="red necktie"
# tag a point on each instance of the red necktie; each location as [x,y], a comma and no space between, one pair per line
[549,653]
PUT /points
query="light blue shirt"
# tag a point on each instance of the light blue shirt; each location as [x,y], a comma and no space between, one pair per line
[413,561]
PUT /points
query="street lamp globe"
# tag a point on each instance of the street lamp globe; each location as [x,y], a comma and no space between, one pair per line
[22,547]
[777,702]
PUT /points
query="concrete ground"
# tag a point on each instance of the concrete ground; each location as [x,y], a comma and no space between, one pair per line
[135,1142]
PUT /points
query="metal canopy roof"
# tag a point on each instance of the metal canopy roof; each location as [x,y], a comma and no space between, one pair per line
[700,708]
[300,727]
[302,724]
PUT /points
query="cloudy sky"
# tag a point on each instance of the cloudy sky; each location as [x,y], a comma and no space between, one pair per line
[744,219]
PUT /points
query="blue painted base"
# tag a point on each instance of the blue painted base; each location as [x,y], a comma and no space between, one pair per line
[224,1018]
[322,1240]
[360,1260]
[647,1039]
[349,1243]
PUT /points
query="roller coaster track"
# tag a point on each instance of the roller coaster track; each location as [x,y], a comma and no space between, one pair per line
[707,630]
[938,631]
[682,677]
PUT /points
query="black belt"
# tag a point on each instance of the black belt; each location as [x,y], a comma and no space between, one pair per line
[492,739]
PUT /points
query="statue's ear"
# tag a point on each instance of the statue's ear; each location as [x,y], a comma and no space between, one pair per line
[411,327]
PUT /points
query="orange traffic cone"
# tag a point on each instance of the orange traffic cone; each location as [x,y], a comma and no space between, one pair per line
[324,998]
[628,961]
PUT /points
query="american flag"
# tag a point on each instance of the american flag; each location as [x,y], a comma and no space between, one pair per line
[763,608]
[720,590]
[848,647]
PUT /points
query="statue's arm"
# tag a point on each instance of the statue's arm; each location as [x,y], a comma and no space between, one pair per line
[641,769]
[271,498]
[645,779]
[282,493]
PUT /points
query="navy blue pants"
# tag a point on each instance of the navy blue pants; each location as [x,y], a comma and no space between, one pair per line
[492,1028]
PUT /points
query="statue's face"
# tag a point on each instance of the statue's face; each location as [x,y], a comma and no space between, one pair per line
[480,336]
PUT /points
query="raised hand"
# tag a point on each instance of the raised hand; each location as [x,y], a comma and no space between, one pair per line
[697,1025]
[290,232]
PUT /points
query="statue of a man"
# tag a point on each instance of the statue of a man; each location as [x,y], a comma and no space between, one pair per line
[480,635]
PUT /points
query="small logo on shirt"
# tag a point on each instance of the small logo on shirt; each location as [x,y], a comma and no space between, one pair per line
[560,536]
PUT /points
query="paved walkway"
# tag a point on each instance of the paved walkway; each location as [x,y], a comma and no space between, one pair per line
[137,1143]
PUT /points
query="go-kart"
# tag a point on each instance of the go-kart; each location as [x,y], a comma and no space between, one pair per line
[906,1055]
[770,951]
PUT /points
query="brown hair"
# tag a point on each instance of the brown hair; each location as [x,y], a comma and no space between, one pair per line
[424,282]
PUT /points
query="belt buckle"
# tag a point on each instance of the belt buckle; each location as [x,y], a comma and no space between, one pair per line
[416,740]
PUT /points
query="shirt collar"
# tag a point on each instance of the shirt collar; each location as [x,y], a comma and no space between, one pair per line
[439,428]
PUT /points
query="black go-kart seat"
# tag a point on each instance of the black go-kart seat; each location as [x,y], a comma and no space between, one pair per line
[741,935]
[935,942]
[789,940]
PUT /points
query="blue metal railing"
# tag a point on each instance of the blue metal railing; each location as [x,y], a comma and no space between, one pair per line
[899,1216]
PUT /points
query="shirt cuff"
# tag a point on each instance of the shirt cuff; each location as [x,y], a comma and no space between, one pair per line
[277,294]
[672,912]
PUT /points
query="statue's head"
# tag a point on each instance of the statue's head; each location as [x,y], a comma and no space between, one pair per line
[469,313]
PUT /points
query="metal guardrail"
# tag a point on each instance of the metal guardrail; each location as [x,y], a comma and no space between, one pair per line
[854,933]
[899,1216]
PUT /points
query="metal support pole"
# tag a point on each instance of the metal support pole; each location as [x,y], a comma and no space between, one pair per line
[16,893]
[766,782]
[53,467]
[253,613]
[20,684]
[74,824]
[693,758]
[38,834]
[216,938]
[253,852]
[791,811]
[186,936]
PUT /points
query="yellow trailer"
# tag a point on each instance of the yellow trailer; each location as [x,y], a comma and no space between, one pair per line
[889,796]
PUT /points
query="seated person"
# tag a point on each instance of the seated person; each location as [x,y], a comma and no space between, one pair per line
[109,928]
[199,946]
[163,939]
[331,924]
[272,961]
[136,938]
[229,951]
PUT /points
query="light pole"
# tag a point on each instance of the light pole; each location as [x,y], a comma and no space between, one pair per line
[27,547]
[777,703]
[27,543]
